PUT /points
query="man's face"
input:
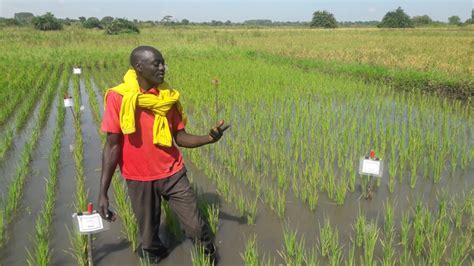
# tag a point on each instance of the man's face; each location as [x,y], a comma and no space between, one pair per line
[152,67]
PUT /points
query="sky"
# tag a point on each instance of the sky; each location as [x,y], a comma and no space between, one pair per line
[237,11]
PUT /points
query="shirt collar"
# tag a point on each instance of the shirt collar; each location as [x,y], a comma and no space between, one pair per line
[152,91]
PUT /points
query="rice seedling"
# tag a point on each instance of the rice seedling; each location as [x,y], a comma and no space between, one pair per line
[460,250]
[371,234]
[199,257]
[213,217]
[251,210]
[351,259]
[326,238]
[359,228]
[250,256]
[293,252]
[281,204]
[172,221]
[438,241]
[311,257]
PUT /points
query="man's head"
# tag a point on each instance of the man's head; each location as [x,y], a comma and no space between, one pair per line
[149,64]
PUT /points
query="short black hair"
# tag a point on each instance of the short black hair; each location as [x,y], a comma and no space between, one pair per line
[139,53]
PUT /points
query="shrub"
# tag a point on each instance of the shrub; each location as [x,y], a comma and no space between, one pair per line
[120,25]
[47,22]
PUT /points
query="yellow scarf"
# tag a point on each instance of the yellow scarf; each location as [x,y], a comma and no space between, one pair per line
[160,105]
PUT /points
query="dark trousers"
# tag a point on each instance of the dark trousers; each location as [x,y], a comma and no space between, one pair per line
[146,203]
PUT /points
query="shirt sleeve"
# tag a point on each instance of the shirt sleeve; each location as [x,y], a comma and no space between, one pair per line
[111,119]
[174,118]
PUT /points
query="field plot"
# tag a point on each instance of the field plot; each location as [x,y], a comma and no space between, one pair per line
[282,186]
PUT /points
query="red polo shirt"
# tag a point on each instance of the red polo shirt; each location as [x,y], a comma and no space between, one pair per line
[141,159]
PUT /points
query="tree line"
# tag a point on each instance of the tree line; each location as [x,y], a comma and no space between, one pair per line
[392,19]
[321,19]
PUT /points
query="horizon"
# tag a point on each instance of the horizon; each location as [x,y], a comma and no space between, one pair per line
[237,11]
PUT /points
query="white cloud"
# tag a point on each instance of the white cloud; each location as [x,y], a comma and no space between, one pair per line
[372,10]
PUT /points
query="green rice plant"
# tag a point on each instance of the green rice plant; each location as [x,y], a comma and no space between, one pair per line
[268,261]
[335,256]
[311,257]
[457,211]
[371,234]
[405,226]
[6,143]
[281,204]
[125,210]
[359,228]
[78,247]
[172,221]
[388,257]
[460,250]
[293,253]
[351,259]
[389,224]
[392,173]
[251,210]
[326,236]
[213,217]
[442,205]
[421,226]
[250,256]
[313,199]
[437,241]
[341,192]
[241,205]
[199,257]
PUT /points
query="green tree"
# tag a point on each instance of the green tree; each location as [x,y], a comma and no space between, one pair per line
[323,19]
[106,20]
[455,20]
[184,22]
[47,22]
[91,23]
[396,19]
[120,26]
[421,20]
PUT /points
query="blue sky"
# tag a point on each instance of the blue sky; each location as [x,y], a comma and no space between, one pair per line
[238,11]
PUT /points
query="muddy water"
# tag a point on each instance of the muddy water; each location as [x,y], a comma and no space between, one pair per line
[66,187]
[13,155]
[233,230]
[110,247]
[21,232]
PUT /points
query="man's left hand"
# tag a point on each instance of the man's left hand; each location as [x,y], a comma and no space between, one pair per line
[216,132]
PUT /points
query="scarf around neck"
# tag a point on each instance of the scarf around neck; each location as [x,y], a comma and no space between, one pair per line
[159,104]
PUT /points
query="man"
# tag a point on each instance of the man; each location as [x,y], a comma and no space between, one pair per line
[144,120]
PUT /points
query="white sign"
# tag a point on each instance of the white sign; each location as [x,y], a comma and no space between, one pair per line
[89,223]
[370,167]
[68,102]
[76,70]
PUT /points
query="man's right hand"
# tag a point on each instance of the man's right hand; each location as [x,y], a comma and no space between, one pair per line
[104,211]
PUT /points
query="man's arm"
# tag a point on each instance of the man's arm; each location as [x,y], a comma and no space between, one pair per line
[110,158]
[186,140]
